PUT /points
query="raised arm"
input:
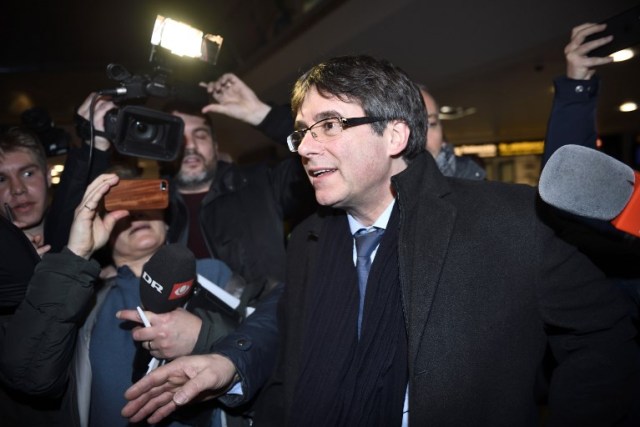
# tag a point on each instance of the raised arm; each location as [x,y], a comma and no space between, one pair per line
[573,114]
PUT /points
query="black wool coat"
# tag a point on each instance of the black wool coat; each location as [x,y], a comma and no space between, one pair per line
[486,286]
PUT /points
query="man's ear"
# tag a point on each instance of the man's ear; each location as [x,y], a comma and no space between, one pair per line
[399,137]
[48,173]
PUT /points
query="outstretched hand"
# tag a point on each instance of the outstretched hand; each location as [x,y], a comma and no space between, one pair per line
[89,232]
[235,99]
[579,65]
[187,379]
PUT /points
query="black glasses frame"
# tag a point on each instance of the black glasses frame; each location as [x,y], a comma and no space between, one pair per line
[295,139]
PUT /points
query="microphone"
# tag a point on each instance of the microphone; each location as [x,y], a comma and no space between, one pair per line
[168,279]
[591,184]
[166,283]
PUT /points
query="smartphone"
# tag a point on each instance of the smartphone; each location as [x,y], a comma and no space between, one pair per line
[625,29]
[138,194]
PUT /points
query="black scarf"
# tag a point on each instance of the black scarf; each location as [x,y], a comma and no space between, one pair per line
[345,381]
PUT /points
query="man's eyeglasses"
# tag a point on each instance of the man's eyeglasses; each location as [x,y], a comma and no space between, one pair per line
[327,129]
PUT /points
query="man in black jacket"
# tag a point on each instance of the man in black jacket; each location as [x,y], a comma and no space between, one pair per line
[231,212]
[467,286]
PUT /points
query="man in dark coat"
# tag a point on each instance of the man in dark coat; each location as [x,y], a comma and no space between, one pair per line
[466,288]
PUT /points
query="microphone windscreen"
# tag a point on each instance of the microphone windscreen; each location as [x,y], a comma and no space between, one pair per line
[586,182]
[167,279]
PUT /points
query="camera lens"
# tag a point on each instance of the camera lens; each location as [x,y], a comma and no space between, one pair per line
[143,132]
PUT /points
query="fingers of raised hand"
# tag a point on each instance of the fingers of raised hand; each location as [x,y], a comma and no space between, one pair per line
[95,191]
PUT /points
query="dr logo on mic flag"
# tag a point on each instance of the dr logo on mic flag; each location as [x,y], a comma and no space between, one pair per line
[180,290]
[168,279]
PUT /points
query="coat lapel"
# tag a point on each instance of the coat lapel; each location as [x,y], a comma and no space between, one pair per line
[425,233]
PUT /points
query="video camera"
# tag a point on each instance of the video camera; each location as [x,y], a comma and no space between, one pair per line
[145,132]
[136,130]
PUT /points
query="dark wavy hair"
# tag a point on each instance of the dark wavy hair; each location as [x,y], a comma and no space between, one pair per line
[381,88]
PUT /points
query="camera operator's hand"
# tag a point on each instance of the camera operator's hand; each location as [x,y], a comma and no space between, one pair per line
[235,99]
[103,105]
[170,335]
[89,232]
[579,65]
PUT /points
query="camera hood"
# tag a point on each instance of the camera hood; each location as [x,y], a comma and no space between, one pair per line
[144,132]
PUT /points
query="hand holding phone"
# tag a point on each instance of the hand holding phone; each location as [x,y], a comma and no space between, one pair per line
[138,194]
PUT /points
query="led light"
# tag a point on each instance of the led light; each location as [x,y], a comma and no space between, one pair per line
[56,171]
[622,55]
[628,107]
[183,40]
[480,150]
[452,113]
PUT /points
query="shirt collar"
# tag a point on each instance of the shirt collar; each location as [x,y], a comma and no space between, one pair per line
[381,222]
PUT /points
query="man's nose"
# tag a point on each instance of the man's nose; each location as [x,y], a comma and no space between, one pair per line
[309,146]
[188,142]
[17,187]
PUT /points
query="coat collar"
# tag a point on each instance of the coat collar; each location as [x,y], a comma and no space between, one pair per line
[427,220]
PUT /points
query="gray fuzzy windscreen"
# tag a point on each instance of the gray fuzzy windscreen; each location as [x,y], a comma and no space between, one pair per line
[586,182]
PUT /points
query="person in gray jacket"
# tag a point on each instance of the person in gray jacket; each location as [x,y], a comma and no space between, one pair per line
[69,336]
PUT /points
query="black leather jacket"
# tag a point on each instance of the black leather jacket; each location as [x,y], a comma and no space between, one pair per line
[242,217]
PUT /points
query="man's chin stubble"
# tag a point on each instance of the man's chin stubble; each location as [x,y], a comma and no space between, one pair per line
[194,181]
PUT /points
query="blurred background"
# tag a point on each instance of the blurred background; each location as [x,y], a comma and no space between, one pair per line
[492,62]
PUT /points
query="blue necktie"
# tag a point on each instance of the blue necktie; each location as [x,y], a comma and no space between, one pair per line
[366,242]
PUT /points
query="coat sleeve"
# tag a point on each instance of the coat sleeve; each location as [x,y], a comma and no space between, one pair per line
[590,333]
[253,347]
[278,124]
[289,181]
[40,339]
[573,115]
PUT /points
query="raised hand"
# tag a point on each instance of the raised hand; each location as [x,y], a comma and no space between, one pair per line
[89,232]
[579,65]
[235,99]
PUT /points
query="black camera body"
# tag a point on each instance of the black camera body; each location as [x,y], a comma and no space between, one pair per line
[144,132]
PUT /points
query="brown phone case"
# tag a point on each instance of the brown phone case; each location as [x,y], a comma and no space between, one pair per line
[138,194]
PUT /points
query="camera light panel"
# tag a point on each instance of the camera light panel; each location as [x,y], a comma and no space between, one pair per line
[183,40]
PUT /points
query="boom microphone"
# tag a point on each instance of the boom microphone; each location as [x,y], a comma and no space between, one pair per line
[167,279]
[588,183]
